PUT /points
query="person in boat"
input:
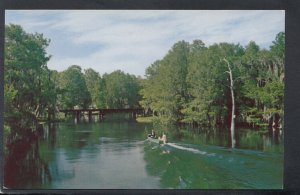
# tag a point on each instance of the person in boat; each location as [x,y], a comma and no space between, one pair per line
[152,135]
[163,138]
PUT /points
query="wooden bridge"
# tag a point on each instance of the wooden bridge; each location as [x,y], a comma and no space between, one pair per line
[101,112]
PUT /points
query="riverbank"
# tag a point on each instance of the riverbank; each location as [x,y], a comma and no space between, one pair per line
[146,119]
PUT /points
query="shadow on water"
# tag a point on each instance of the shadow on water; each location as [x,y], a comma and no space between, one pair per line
[51,157]
[24,167]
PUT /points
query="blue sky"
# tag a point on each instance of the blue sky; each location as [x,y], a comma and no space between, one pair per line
[131,40]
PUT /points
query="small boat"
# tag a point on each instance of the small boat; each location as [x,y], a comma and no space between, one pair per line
[155,140]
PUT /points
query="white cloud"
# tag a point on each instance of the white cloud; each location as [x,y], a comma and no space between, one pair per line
[131,40]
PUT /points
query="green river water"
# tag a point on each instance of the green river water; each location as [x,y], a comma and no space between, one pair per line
[115,154]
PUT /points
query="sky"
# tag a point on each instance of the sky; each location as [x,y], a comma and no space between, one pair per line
[131,40]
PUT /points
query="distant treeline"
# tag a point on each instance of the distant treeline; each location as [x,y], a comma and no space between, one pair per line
[190,84]
[88,89]
[32,91]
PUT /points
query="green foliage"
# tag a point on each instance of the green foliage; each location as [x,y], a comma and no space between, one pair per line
[191,84]
[9,96]
[272,94]
[121,90]
[93,83]
[165,90]
[73,88]
[31,88]
[278,47]
[27,87]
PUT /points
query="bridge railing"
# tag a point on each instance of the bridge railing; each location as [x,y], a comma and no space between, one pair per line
[104,110]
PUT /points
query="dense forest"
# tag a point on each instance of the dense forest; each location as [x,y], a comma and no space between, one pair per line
[193,84]
[196,84]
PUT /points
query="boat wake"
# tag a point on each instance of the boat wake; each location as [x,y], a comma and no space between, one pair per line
[174,145]
[187,149]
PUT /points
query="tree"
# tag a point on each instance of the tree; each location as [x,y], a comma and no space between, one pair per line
[278,54]
[231,56]
[93,83]
[25,69]
[263,85]
[200,86]
[232,124]
[121,90]
[74,89]
[165,89]
[151,90]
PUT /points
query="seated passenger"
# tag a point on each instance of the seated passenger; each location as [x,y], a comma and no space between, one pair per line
[152,135]
[163,138]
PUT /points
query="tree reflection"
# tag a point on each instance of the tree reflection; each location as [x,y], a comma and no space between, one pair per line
[23,167]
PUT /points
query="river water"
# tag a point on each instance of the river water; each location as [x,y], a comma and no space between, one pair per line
[115,154]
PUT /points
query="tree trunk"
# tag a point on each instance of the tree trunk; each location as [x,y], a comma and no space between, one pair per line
[232,126]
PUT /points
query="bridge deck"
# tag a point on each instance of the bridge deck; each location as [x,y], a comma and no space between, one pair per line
[103,110]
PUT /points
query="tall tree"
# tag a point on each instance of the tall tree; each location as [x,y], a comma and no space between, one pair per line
[200,85]
[74,89]
[121,90]
[231,86]
[93,83]
[26,89]
[167,87]
[264,83]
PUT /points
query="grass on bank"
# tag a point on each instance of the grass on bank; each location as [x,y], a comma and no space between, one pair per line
[146,119]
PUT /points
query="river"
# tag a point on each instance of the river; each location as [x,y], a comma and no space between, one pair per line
[115,154]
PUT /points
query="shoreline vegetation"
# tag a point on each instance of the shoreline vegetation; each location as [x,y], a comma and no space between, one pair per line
[224,85]
[144,119]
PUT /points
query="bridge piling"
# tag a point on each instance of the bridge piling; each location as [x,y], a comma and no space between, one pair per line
[90,115]
[134,115]
[100,115]
[78,115]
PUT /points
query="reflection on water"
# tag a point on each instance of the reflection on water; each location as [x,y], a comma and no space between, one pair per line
[24,167]
[117,155]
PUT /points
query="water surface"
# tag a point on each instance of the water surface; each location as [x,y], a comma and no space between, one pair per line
[116,155]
